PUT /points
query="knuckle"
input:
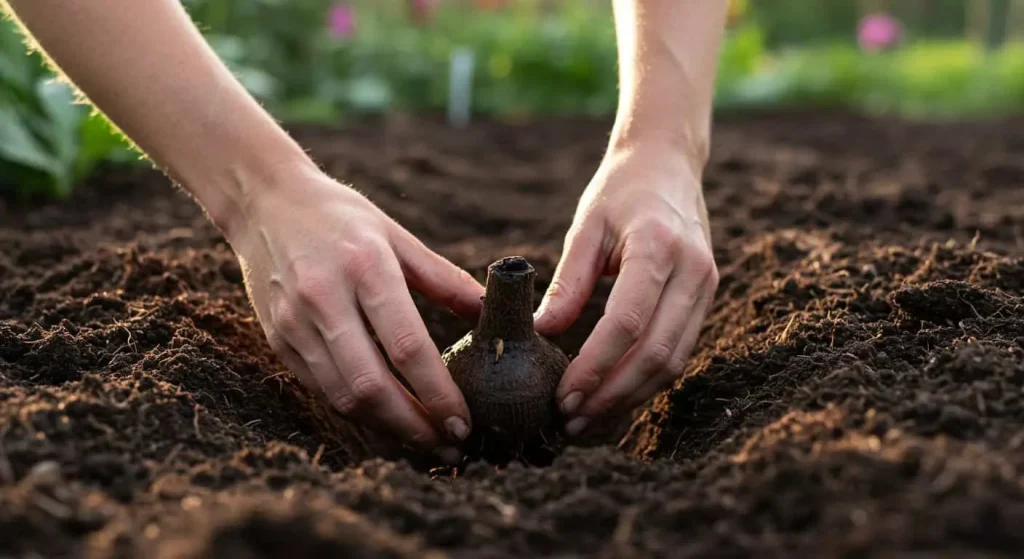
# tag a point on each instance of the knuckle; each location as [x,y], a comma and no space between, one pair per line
[406,347]
[340,333]
[651,253]
[629,323]
[344,402]
[701,259]
[367,388]
[713,279]
[287,322]
[361,260]
[581,228]
[364,390]
[437,400]
[659,355]
[662,235]
[585,381]
[675,368]
[312,287]
[656,257]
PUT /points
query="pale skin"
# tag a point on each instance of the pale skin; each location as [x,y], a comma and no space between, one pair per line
[318,256]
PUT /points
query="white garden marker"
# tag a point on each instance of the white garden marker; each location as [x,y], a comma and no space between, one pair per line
[460,86]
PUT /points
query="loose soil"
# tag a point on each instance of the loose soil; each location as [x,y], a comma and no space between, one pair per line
[858,389]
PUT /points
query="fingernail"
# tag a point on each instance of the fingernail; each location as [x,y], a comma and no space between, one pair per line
[571,402]
[457,428]
[449,455]
[576,426]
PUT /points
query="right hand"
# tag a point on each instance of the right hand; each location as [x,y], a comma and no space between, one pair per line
[317,258]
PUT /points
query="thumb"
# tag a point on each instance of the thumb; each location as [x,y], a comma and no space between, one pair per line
[583,261]
[437,278]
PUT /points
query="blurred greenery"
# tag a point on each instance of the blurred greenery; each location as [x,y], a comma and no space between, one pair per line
[533,58]
[47,142]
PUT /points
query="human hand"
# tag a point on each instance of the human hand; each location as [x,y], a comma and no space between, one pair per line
[643,219]
[322,265]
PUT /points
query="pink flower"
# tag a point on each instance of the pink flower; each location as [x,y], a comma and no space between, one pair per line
[878,32]
[341,20]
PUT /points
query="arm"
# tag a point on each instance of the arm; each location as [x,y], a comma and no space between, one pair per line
[642,217]
[668,57]
[149,70]
[315,253]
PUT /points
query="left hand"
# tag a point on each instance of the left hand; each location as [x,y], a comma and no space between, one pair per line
[643,219]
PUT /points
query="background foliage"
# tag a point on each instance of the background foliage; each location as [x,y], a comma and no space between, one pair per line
[324,61]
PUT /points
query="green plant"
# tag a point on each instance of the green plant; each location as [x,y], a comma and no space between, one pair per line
[49,141]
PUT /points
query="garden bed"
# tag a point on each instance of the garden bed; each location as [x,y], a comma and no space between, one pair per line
[858,387]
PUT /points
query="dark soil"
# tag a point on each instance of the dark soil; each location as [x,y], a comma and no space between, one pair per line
[858,391]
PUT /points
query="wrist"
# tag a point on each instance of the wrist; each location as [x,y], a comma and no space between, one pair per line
[661,148]
[233,195]
[675,145]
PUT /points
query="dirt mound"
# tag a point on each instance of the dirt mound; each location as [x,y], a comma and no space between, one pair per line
[857,390]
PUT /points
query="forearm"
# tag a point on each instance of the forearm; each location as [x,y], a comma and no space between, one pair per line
[668,55]
[145,65]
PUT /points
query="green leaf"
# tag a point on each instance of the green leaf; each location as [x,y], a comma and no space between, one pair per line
[21,147]
[309,109]
[15,73]
[65,116]
[98,142]
[26,164]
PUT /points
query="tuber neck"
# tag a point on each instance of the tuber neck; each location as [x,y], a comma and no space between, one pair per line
[508,301]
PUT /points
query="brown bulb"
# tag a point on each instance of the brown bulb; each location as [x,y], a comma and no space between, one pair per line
[507,372]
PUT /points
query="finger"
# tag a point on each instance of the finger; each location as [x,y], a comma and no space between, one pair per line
[357,382]
[679,359]
[436,278]
[293,361]
[583,261]
[653,353]
[630,307]
[338,350]
[395,319]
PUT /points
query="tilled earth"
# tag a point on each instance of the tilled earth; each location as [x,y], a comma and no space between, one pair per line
[858,390]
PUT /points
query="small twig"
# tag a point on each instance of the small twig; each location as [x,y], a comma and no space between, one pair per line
[319,454]
[784,337]
[131,343]
[195,421]
[105,428]
[624,530]
[508,512]
[173,454]
[274,376]
[52,507]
